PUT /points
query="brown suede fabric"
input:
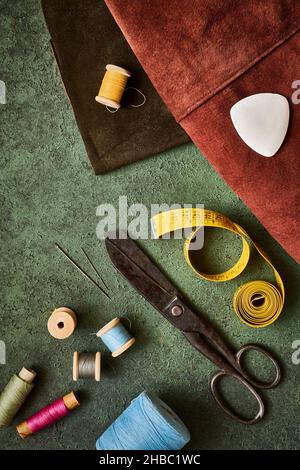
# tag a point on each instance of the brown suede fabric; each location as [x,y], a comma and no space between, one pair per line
[207,55]
[85,38]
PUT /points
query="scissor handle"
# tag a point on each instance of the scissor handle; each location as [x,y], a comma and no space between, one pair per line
[256,383]
[242,376]
[224,405]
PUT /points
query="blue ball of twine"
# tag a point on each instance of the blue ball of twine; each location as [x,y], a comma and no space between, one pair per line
[147,424]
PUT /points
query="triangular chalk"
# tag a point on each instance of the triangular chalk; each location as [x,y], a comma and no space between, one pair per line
[262,121]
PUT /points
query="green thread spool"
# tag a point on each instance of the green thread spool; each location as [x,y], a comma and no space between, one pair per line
[14,395]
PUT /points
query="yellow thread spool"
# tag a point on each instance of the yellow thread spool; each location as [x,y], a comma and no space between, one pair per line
[113,86]
[257,303]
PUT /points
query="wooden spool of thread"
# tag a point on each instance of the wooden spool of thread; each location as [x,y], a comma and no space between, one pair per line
[14,395]
[62,323]
[113,86]
[115,336]
[48,415]
[87,366]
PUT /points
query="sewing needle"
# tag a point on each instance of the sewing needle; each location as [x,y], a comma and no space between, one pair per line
[94,267]
[81,270]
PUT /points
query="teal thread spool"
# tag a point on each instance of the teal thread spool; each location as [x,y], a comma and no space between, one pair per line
[14,395]
[115,337]
[147,424]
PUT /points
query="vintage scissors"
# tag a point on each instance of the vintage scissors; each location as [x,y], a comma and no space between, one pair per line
[149,280]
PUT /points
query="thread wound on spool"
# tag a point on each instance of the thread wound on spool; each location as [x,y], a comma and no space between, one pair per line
[62,323]
[87,365]
[147,424]
[14,395]
[48,415]
[115,336]
[113,86]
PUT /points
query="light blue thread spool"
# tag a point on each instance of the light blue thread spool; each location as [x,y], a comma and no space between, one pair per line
[147,424]
[115,336]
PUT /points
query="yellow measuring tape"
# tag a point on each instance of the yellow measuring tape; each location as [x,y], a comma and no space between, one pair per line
[257,303]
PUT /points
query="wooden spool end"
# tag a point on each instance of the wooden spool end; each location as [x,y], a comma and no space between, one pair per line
[108,327]
[28,375]
[123,348]
[107,102]
[23,430]
[71,401]
[116,68]
[75,366]
[98,367]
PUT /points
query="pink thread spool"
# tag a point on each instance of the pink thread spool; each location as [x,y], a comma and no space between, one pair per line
[48,415]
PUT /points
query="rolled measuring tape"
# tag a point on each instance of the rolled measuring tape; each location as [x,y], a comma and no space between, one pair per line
[257,303]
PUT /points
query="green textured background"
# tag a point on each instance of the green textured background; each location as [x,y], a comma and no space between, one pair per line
[49,194]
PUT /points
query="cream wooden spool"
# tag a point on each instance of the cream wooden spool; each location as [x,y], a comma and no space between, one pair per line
[62,323]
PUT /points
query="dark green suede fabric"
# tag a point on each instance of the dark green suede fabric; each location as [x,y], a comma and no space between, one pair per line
[85,38]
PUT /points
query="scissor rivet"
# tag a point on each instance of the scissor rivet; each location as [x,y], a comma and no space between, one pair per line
[177,310]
